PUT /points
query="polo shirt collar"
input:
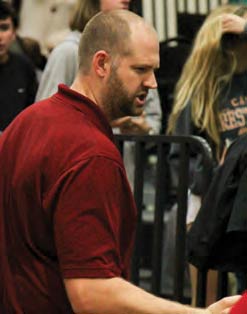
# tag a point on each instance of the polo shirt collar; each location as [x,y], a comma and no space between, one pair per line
[87,107]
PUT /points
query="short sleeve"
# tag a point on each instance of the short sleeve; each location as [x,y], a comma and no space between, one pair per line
[94,220]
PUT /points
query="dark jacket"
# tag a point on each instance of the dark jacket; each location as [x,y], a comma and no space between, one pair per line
[200,176]
[218,237]
[18,85]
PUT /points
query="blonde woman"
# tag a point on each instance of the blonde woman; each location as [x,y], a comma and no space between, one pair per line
[211,94]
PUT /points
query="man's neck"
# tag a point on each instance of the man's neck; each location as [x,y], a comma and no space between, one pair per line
[91,89]
[84,87]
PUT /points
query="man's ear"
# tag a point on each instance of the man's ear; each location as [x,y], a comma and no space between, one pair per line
[101,63]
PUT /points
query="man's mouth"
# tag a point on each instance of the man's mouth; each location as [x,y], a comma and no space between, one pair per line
[141,98]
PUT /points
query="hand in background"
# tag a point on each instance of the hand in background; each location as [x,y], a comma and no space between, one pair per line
[232,23]
[132,125]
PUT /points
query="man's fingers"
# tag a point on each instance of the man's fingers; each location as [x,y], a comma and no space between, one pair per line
[224,305]
[226,311]
[230,301]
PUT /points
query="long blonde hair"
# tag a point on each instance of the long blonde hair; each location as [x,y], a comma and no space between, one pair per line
[207,71]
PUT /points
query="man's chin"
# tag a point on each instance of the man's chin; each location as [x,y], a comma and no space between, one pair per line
[133,110]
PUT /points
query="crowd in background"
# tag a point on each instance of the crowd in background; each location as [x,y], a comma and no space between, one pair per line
[39,51]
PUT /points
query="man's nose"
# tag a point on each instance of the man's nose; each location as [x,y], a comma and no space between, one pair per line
[151,81]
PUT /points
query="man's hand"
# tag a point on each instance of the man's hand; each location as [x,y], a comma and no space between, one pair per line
[223,306]
[232,23]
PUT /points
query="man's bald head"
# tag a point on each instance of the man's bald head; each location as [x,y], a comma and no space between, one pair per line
[112,32]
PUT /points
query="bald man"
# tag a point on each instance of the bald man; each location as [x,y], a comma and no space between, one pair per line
[67,215]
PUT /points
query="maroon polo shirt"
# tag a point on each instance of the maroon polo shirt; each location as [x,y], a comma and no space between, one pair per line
[66,209]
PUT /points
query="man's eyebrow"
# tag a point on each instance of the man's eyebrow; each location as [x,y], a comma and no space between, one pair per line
[145,65]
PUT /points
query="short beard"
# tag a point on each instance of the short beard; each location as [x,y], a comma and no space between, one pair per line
[116,101]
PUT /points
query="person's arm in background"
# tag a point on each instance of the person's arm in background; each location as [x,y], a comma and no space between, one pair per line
[115,295]
[147,123]
[61,67]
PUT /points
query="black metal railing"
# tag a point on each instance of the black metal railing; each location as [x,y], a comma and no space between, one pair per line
[160,144]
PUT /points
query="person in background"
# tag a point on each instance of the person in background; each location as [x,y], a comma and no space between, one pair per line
[211,97]
[236,25]
[27,46]
[18,83]
[67,215]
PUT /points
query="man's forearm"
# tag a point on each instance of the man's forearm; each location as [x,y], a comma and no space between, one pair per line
[111,296]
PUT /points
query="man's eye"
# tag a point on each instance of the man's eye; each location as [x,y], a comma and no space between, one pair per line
[140,69]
